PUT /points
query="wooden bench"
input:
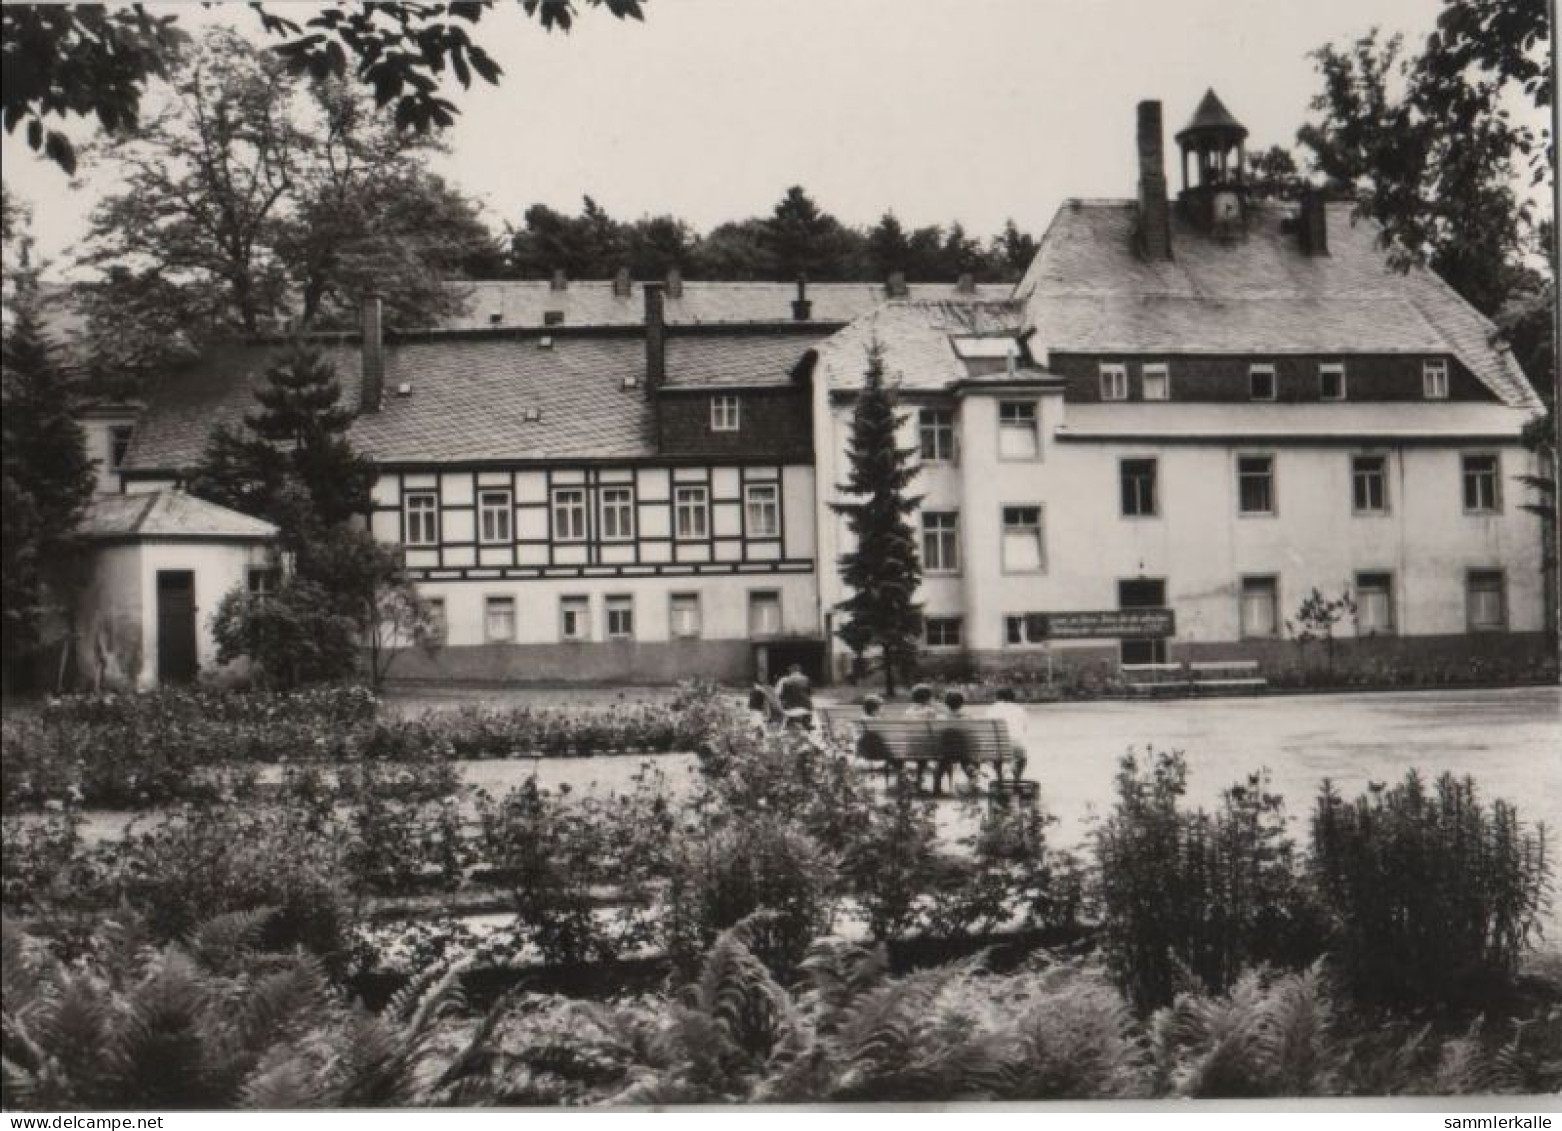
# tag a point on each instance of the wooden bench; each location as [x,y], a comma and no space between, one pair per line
[1227,675]
[1156,679]
[941,743]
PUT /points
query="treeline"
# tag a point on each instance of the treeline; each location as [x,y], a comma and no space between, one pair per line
[796,238]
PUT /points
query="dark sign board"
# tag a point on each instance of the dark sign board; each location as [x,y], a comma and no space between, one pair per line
[1113,624]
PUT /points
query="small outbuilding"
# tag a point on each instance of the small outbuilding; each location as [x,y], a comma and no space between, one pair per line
[155,567]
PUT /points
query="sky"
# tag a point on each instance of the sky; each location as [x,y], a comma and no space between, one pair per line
[976,110]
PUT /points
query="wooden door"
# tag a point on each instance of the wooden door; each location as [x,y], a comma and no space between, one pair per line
[176,659]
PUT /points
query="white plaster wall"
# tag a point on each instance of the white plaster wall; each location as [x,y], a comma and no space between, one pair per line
[218,567]
[110,619]
[724,603]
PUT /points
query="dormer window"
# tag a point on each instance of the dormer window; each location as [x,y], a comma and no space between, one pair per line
[1114,382]
[724,414]
[1331,381]
[1261,382]
[1434,379]
[1157,381]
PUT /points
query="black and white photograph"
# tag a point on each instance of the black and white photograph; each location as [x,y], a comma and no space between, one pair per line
[854,555]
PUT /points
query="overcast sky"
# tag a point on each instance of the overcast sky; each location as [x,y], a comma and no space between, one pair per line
[974,110]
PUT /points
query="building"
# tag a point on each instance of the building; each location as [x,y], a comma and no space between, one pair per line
[1190,413]
[1211,406]
[154,568]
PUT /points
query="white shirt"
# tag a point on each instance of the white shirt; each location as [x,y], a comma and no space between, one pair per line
[1013,716]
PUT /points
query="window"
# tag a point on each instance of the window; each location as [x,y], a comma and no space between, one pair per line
[1022,549]
[569,514]
[421,514]
[439,620]
[1369,484]
[1017,430]
[1434,380]
[575,618]
[691,507]
[620,618]
[724,414]
[936,426]
[763,503]
[1331,381]
[1256,484]
[1024,628]
[684,618]
[764,614]
[262,581]
[1485,600]
[1114,382]
[118,445]
[1260,606]
[941,632]
[494,511]
[1138,486]
[1374,604]
[940,541]
[1480,484]
[617,507]
[1261,383]
[1157,382]
[499,618]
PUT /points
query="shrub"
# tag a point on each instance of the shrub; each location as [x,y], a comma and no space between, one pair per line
[1433,896]
[1206,894]
[888,864]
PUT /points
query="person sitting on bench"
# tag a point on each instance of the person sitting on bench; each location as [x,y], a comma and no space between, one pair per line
[954,708]
[1007,711]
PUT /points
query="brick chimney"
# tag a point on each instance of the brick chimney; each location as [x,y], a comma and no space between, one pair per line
[966,284]
[674,283]
[372,390]
[1154,211]
[895,285]
[560,281]
[621,284]
[1312,226]
[802,307]
[655,339]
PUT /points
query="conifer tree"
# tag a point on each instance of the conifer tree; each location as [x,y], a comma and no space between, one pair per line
[48,481]
[882,570]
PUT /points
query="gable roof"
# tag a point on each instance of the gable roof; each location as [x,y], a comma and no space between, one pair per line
[167,514]
[593,302]
[918,339]
[475,397]
[1089,291]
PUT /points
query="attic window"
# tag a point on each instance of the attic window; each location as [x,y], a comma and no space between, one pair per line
[552,317]
[545,343]
[1261,382]
[1434,379]
[1331,381]
[404,389]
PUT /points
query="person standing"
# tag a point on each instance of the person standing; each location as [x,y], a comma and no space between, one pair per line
[796,697]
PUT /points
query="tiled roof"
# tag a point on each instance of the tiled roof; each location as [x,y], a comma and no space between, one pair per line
[1132,420]
[593,303]
[475,396]
[167,514]
[1089,291]
[753,360]
[916,337]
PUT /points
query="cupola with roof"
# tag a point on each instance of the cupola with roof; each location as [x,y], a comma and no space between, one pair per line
[1215,196]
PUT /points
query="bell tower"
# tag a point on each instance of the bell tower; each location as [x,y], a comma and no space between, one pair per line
[1214,196]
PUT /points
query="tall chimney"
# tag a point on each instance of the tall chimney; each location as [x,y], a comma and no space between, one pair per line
[372,389]
[655,338]
[895,285]
[1154,212]
[674,283]
[560,281]
[1312,225]
[966,284]
[802,307]
[621,285]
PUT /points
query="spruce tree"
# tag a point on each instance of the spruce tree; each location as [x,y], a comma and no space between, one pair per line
[48,481]
[883,570]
